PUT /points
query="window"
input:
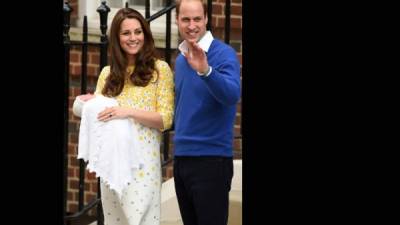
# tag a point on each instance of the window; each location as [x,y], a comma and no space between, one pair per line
[139,4]
[157,26]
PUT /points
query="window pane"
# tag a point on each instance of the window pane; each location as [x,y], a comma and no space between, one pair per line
[137,2]
[159,3]
[154,4]
[114,3]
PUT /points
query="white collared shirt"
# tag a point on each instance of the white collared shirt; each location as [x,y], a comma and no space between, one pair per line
[204,43]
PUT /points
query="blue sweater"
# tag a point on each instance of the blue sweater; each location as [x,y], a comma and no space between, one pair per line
[206,106]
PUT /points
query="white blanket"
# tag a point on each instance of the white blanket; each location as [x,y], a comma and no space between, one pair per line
[110,148]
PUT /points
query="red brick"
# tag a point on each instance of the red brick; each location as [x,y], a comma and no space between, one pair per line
[93,49]
[218,33]
[236,10]
[71,148]
[73,126]
[89,197]
[236,23]
[237,144]
[74,184]
[75,92]
[75,195]
[238,120]
[92,70]
[220,22]
[94,58]
[218,9]
[236,34]
[73,138]
[75,69]
[71,99]
[94,187]
[214,22]
[76,168]
[237,131]
[75,57]
[73,161]
[71,68]
[87,186]
[72,207]
[169,172]
[239,107]
[90,176]
[71,172]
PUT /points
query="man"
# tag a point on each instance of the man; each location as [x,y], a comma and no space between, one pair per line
[207,88]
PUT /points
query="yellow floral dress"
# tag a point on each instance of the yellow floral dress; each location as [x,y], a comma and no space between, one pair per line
[140,203]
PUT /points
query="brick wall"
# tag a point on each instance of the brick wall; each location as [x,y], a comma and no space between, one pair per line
[218,28]
[73,127]
[93,71]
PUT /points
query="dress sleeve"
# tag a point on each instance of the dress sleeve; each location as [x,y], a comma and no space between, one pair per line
[102,79]
[165,94]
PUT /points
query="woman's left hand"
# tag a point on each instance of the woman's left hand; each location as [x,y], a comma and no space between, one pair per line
[115,112]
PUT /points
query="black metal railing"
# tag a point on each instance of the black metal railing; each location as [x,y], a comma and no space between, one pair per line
[67,12]
[103,11]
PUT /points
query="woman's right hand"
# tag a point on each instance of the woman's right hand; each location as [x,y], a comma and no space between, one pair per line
[79,102]
[86,97]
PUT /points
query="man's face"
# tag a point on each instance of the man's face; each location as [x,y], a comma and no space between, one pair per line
[191,20]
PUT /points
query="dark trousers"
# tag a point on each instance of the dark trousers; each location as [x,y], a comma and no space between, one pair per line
[202,186]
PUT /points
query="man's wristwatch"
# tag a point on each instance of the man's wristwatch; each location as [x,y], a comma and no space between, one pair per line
[208,71]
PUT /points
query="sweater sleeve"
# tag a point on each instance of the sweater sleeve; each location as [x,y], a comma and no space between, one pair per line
[224,80]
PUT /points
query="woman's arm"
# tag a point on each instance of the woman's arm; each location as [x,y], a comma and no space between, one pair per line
[150,119]
[160,119]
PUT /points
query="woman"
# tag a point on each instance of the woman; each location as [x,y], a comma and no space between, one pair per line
[143,87]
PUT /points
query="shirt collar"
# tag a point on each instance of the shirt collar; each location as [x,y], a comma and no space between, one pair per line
[204,43]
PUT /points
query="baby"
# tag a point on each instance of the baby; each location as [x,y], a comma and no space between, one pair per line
[110,148]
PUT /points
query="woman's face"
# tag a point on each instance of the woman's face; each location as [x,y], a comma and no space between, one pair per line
[131,37]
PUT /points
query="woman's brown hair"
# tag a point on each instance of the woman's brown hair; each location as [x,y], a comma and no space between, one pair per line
[144,60]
